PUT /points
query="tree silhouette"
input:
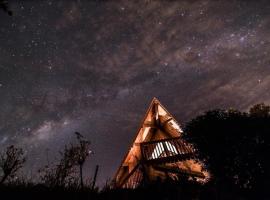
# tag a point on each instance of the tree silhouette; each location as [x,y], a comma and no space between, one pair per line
[10,162]
[260,110]
[83,151]
[60,174]
[235,146]
[64,173]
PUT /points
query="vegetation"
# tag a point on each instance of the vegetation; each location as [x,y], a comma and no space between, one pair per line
[64,173]
[233,144]
[10,162]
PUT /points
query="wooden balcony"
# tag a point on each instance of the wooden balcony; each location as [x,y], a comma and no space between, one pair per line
[159,152]
[166,151]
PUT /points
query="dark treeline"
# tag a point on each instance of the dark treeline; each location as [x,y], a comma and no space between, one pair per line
[234,146]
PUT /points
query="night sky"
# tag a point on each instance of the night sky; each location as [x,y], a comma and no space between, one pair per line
[94,66]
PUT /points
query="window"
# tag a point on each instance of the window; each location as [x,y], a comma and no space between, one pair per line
[160,149]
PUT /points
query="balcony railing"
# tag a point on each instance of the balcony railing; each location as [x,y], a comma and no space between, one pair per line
[166,150]
[160,152]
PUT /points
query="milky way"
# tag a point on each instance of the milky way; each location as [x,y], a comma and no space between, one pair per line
[94,66]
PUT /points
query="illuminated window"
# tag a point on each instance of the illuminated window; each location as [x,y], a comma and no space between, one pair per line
[159,149]
[171,147]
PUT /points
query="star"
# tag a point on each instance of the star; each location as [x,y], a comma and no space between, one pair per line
[94,66]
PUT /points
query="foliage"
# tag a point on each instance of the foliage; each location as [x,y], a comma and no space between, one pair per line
[10,162]
[260,110]
[64,173]
[235,146]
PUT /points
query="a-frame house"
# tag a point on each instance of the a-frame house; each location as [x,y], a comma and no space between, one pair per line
[158,152]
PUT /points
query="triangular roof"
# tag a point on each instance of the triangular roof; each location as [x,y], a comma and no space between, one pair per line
[157,113]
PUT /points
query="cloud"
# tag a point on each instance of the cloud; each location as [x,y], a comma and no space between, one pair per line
[94,67]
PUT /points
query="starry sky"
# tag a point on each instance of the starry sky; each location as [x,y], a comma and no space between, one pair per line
[94,66]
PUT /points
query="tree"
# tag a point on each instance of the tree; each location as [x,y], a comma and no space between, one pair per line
[260,110]
[10,162]
[61,174]
[83,151]
[235,146]
[64,173]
